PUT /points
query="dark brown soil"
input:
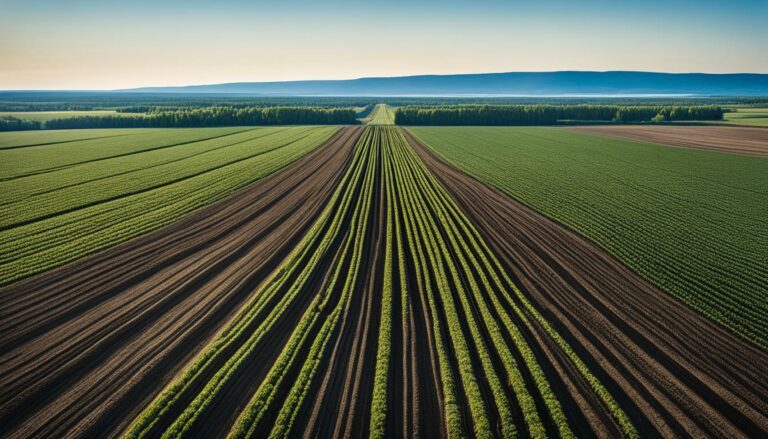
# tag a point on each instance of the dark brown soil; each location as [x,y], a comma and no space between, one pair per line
[740,140]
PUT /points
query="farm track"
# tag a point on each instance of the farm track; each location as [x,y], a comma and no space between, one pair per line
[85,347]
[674,372]
[739,140]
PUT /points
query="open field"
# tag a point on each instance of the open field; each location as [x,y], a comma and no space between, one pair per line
[693,222]
[382,114]
[109,331]
[366,286]
[44,116]
[62,201]
[748,116]
[741,140]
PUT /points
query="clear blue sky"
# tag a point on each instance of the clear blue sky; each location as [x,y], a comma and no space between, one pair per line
[89,44]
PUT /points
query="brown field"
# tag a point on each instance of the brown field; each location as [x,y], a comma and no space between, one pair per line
[740,140]
[86,347]
[674,372]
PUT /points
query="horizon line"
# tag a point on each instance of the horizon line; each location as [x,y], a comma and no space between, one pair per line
[121,89]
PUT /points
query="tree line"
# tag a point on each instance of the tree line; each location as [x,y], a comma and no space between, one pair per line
[550,114]
[213,116]
[10,123]
[150,102]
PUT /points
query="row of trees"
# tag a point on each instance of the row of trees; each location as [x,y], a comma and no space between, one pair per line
[549,114]
[10,123]
[214,116]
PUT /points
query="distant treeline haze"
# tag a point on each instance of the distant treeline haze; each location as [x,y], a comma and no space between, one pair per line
[214,116]
[465,114]
[549,114]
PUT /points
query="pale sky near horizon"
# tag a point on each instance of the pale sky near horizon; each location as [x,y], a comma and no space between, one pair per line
[89,44]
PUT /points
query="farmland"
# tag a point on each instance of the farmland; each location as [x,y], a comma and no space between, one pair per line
[245,220]
[382,114]
[441,325]
[356,281]
[111,329]
[692,222]
[739,140]
[748,116]
[115,185]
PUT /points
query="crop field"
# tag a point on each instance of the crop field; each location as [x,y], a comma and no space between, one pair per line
[382,114]
[740,140]
[94,193]
[351,274]
[359,282]
[748,116]
[692,222]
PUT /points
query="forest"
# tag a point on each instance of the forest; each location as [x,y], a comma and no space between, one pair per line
[214,116]
[9,123]
[550,114]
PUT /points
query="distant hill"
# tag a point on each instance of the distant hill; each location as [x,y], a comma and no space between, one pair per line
[566,83]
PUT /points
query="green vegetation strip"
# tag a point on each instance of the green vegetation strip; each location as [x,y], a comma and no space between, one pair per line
[382,115]
[747,116]
[63,201]
[693,222]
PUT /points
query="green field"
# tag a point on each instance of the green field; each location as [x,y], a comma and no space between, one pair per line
[62,198]
[381,115]
[693,222]
[748,116]
[44,116]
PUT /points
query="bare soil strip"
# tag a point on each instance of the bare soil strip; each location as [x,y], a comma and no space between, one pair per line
[673,371]
[85,347]
[740,140]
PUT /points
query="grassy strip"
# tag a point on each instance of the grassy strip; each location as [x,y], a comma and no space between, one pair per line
[382,115]
[384,353]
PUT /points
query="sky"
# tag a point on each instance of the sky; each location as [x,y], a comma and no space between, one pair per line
[89,44]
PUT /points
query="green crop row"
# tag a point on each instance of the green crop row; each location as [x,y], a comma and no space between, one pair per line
[693,222]
[49,222]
